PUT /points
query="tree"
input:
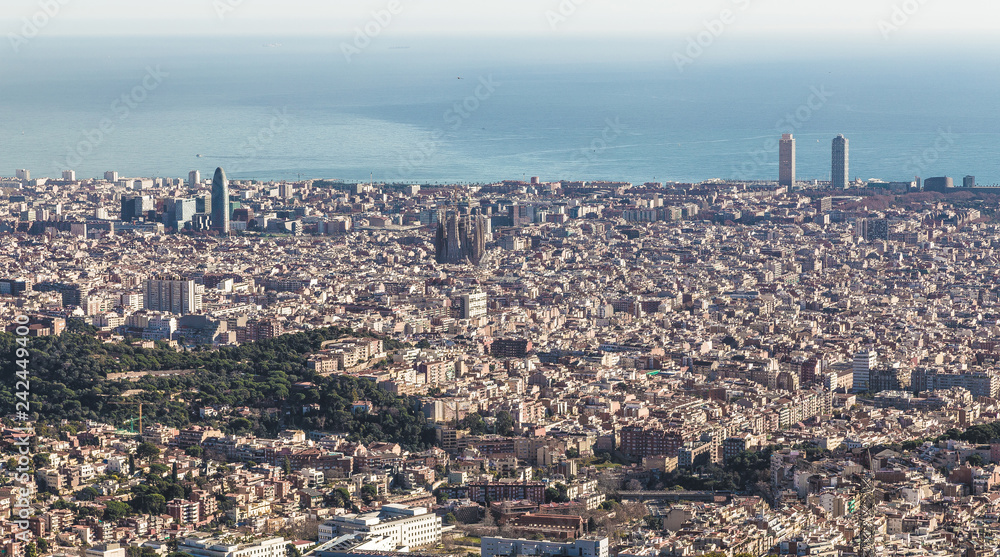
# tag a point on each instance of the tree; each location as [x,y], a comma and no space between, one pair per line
[551,494]
[368,493]
[474,423]
[88,493]
[505,424]
[240,425]
[292,551]
[147,451]
[31,550]
[450,518]
[195,451]
[70,383]
[116,510]
[158,469]
[975,460]
[286,466]
[556,494]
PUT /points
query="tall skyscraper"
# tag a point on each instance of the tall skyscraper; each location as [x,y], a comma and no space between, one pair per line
[864,363]
[194,178]
[840,162]
[786,160]
[220,202]
[872,229]
[178,212]
[969,182]
[461,239]
[136,206]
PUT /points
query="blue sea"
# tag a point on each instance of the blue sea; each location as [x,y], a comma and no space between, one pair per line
[424,111]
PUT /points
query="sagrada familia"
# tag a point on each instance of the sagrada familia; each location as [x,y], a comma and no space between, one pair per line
[461,240]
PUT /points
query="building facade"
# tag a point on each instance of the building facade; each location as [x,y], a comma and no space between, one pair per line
[460,240]
[405,526]
[176,296]
[218,547]
[508,547]
[786,160]
[840,166]
[220,202]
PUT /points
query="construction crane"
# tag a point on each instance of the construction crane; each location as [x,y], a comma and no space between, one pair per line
[131,421]
[866,512]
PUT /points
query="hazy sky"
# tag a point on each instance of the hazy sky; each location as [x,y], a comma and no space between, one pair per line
[848,20]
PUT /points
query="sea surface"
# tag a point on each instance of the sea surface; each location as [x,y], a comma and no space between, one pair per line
[448,111]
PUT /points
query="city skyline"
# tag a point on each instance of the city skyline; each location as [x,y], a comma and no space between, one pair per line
[787,155]
[566,278]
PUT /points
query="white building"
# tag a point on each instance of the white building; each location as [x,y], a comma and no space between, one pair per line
[160,327]
[180,297]
[118,465]
[864,363]
[405,526]
[221,547]
[473,305]
[109,550]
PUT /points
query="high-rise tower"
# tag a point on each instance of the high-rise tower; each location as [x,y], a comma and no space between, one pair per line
[786,160]
[840,162]
[220,202]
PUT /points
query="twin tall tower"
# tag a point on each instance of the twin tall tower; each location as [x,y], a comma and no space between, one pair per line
[840,166]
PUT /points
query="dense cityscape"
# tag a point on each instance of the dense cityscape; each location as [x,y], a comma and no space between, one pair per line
[235,368]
